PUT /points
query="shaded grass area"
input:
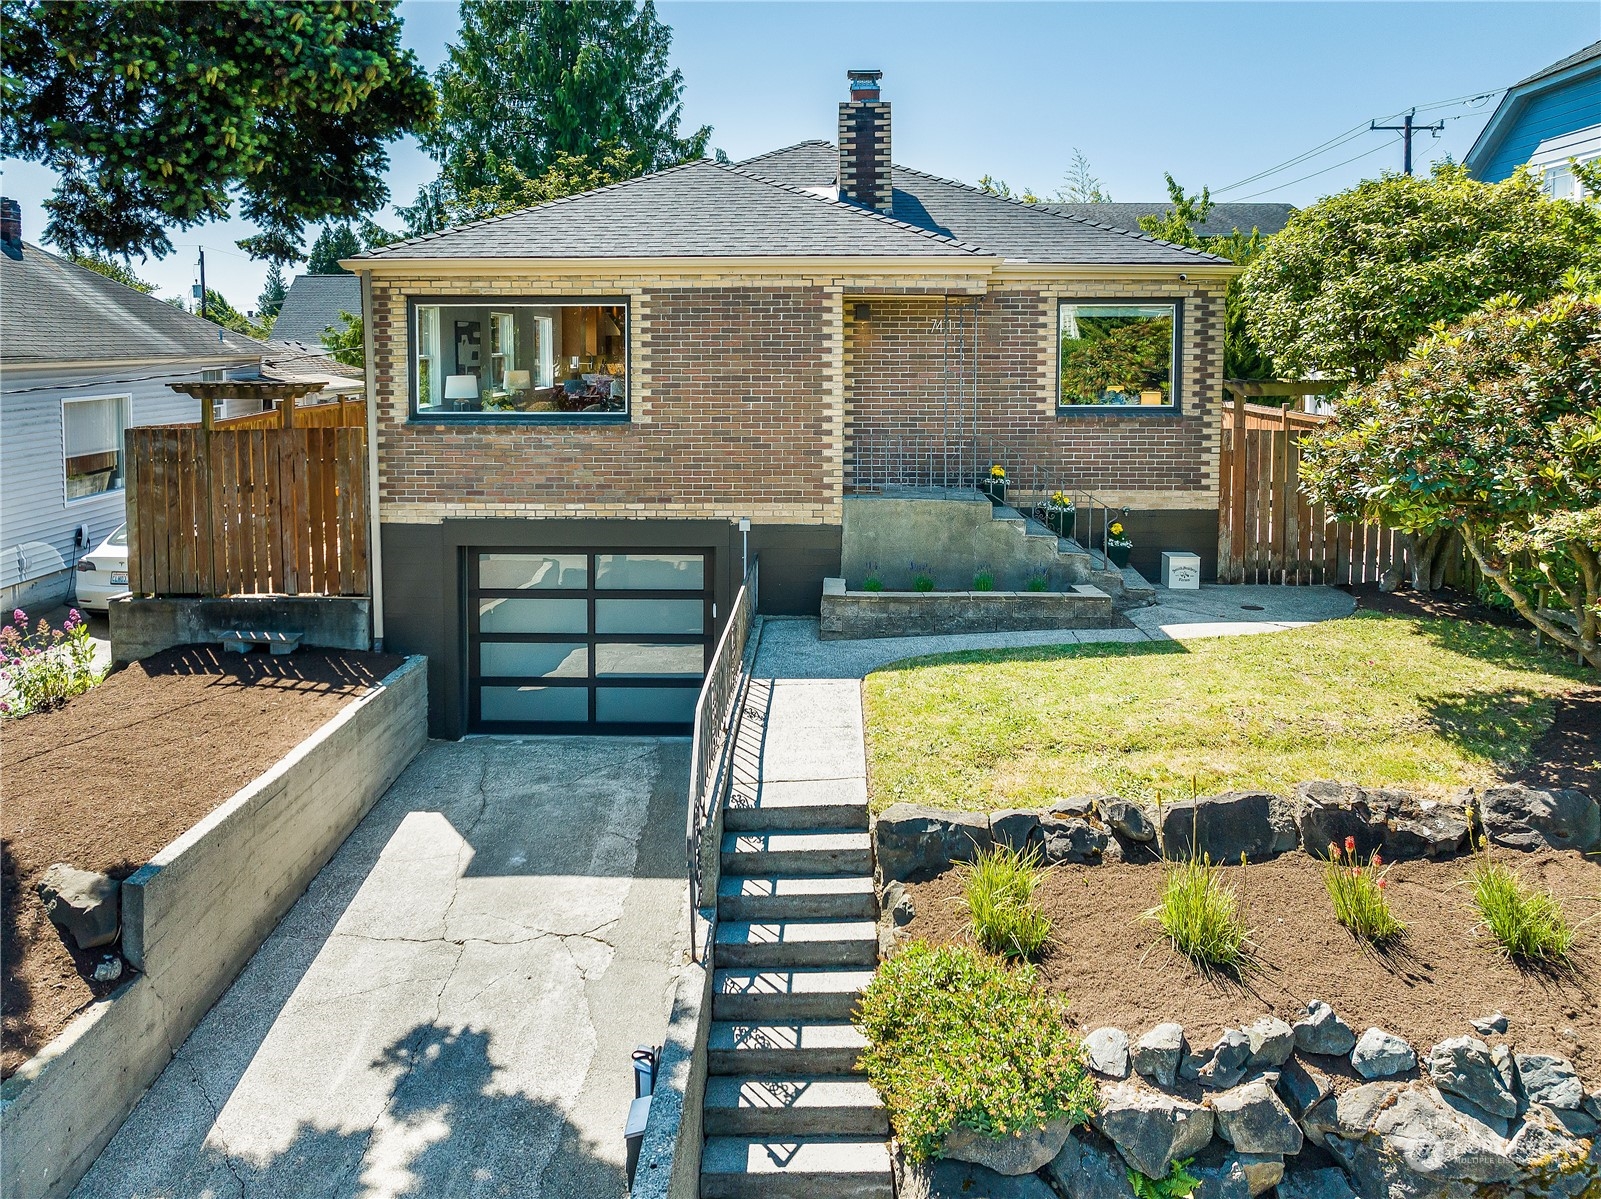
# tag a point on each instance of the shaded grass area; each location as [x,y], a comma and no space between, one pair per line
[1374,699]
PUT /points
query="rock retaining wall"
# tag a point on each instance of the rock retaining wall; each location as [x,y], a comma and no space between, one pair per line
[870,614]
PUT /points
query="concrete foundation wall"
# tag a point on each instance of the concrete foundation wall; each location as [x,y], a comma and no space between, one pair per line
[850,615]
[141,627]
[191,919]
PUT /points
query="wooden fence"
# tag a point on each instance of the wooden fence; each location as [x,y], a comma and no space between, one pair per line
[346,414]
[1268,532]
[237,510]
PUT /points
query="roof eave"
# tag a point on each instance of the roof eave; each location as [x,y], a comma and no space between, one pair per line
[866,264]
[1514,102]
[1015,268]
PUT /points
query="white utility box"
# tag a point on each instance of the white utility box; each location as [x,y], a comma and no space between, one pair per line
[1181,571]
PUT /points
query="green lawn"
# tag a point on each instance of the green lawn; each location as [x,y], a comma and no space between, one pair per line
[1430,705]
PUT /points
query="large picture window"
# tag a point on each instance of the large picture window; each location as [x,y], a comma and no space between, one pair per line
[1118,355]
[529,359]
[92,444]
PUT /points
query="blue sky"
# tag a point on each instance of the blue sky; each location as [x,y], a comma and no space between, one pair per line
[1214,93]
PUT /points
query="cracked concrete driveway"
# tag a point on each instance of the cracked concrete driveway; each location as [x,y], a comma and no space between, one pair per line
[449,1009]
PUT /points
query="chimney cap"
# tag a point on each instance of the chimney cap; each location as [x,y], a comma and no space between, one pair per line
[864,81]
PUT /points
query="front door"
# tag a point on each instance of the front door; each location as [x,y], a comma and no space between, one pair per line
[587,640]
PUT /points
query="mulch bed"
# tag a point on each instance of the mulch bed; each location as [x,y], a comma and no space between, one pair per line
[121,771]
[1117,969]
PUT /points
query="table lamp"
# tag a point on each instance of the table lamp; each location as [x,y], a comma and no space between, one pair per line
[461,387]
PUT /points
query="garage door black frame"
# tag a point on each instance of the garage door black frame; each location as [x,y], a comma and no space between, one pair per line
[589,593]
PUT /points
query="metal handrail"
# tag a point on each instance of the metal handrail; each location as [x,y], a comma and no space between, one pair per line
[716,710]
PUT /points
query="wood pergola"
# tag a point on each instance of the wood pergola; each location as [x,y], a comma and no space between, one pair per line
[286,394]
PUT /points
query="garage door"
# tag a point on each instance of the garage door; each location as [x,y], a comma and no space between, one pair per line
[604,640]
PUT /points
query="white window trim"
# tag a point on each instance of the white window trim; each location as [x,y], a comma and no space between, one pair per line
[127,421]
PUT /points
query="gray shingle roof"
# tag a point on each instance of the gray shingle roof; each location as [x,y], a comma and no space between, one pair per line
[313,305]
[1593,50]
[1221,221]
[53,310]
[699,209]
[1009,228]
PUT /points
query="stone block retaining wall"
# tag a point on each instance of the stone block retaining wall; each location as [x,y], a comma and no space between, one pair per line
[868,614]
[191,919]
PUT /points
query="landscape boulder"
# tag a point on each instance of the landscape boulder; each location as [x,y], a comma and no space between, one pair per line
[913,842]
[83,904]
[1488,1026]
[1016,828]
[1303,1086]
[1397,822]
[1262,1171]
[1326,1182]
[1322,1031]
[1150,1129]
[1221,1180]
[946,1178]
[1522,817]
[1253,1119]
[1463,1066]
[1158,1053]
[1272,1042]
[1086,1170]
[1221,1066]
[1072,842]
[1009,1155]
[1079,807]
[1127,819]
[1223,827]
[1106,1052]
[1380,1054]
[1549,1080]
[1548,1151]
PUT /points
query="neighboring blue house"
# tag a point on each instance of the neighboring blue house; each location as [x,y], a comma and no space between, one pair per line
[1548,118]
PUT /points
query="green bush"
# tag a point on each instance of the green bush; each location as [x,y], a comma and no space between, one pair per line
[1201,916]
[959,1039]
[983,581]
[998,893]
[1530,925]
[923,583]
[872,583]
[1037,583]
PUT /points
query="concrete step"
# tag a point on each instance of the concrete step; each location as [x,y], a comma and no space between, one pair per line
[798,851]
[800,1105]
[1135,586]
[781,943]
[803,1168]
[750,994]
[804,1047]
[796,897]
[828,803]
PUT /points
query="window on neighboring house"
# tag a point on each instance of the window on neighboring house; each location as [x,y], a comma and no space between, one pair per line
[526,360]
[92,441]
[212,375]
[1118,355]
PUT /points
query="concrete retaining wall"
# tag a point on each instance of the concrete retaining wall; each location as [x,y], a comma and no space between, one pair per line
[141,626]
[191,919]
[868,614]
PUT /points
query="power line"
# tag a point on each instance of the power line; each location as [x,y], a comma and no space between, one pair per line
[1406,129]
[1315,174]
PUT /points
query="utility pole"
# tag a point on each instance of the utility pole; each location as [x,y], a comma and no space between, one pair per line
[1406,130]
[204,317]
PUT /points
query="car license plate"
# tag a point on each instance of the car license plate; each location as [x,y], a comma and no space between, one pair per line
[119,580]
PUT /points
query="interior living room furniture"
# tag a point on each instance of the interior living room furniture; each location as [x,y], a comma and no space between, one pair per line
[463,389]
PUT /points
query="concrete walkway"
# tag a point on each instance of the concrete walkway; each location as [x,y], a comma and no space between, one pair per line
[790,649]
[449,1009]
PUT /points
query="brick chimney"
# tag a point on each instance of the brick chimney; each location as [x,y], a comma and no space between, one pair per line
[10,227]
[864,162]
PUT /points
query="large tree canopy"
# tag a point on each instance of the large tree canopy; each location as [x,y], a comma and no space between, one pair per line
[1354,280]
[543,98]
[1492,429]
[157,115]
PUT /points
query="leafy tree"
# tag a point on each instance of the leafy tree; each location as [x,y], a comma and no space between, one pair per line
[1242,357]
[112,269]
[155,115]
[998,187]
[271,300]
[1079,185]
[511,189]
[1491,428]
[347,344]
[220,312]
[1356,279]
[532,87]
[332,244]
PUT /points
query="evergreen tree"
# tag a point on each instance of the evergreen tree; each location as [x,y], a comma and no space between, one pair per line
[271,300]
[112,269]
[1079,185]
[332,244]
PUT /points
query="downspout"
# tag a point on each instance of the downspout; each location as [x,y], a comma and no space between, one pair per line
[375,545]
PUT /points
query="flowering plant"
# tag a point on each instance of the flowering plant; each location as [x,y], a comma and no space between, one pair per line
[998,471]
[1060,501]
[1356,890]
[1117,537]
[41,667]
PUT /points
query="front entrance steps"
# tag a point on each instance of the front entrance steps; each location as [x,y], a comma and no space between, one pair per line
[788,1115]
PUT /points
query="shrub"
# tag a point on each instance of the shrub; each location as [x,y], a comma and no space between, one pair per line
[42,668]
[998,893]
[1201,916]
[923,583]
[1357,893]
[1530,925]
[958,1039]
[1037,583]
[872,583]
[983,581]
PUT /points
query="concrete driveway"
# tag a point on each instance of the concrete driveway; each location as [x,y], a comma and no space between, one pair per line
[449,1009]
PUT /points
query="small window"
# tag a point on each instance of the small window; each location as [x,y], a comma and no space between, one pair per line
[528,360]
[92,440]
[1118,355]
[212,375]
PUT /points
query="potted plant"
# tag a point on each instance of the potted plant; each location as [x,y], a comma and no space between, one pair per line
[994,484]
[1059,513]
[1118,544]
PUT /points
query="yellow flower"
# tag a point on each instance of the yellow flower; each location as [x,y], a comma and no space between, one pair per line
[1117,528]
[997,471]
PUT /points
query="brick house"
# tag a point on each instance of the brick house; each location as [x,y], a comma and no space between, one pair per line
[579,404]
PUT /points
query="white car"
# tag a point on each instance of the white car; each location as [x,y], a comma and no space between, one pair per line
[103,572]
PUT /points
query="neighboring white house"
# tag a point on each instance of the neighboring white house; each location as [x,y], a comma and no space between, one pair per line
[81,359]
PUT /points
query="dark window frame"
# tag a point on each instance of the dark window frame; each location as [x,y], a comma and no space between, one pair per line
[480,300]
[1169,410]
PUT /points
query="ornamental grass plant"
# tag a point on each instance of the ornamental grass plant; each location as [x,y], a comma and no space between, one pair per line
[1530,926]
[957,1038]
[1356,889]
[1200,914]
[998,894]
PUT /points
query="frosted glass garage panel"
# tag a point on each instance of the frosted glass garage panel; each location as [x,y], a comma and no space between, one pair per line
[650,572]
[533,571]
[523,659]
[615,659]
[533,616]
[534,703]
[645,705]
[650,615]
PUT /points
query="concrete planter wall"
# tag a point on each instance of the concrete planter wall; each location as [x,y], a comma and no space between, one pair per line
[870,614]
[141,627]
[191,919]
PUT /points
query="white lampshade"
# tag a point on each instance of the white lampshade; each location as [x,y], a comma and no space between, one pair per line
[516,380]
[461,387]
